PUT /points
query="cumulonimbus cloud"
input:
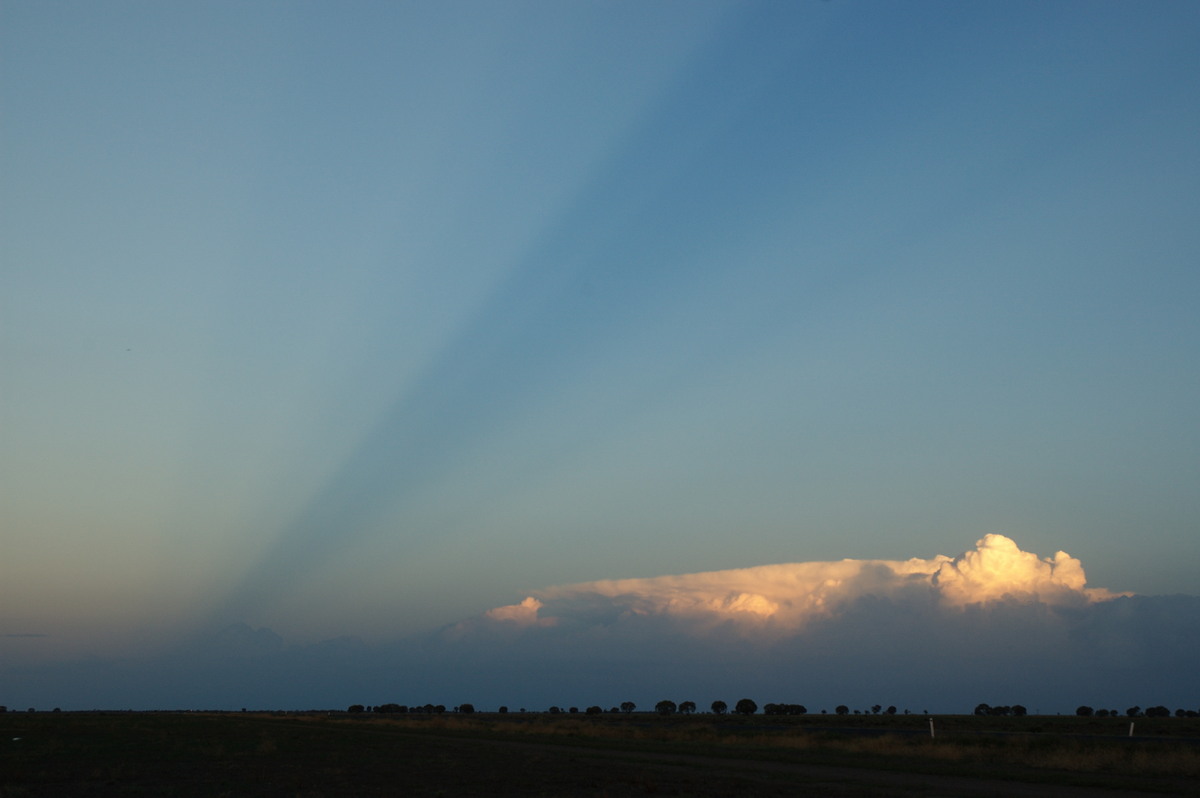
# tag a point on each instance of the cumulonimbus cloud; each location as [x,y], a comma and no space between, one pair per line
[784,598]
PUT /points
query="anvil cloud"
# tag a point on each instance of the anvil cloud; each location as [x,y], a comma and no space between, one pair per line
[994,624]
[785,598]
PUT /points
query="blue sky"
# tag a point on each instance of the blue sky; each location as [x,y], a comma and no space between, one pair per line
[360,319]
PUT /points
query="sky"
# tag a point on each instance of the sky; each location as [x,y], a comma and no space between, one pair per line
[357,322]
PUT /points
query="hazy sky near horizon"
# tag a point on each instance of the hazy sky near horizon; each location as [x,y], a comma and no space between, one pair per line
[363,318]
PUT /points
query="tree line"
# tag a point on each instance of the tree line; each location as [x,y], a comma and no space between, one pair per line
[746,706]
[743,706]
[1136,712]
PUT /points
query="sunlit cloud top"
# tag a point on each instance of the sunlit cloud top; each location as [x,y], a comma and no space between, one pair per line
[786,596]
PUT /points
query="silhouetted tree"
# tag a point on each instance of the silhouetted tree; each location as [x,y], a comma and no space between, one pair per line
[355,708]
[466,709]
[1019,710]
[555,710]
[745,706]
[594,710]
[503,710]
[1133,712]
[1084,711]
[875,710]
[665,707]
[890,710]
[719,707]
[1157,712]
[983,709]
[842,709]
[687,707]
[628,706]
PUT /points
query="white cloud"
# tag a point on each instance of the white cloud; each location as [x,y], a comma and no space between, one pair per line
[523,614]
[783,599]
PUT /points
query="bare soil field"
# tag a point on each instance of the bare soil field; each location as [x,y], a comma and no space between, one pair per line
[332,754]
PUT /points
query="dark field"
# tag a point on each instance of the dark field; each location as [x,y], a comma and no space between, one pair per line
[324,754]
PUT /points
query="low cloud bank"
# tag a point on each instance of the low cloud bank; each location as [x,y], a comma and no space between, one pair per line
[994,625]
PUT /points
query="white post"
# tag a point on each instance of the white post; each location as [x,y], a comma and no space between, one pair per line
[1130,728]
[931,734]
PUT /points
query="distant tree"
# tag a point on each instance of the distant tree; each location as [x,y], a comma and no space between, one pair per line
[628,706]
[503,710]
[1158,712]
[875,710]
[355,708]
[665,707]
[3,709]
[983,709]
[466,709]
[890,710]
[687,707]
[388,708]
[1100,713]
[573,710]
[1019,711]
[594,710]
[555,710]
[719,707]
[1084,711]
[1181,713]
[842,709]
[1133,712]
[745,706]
